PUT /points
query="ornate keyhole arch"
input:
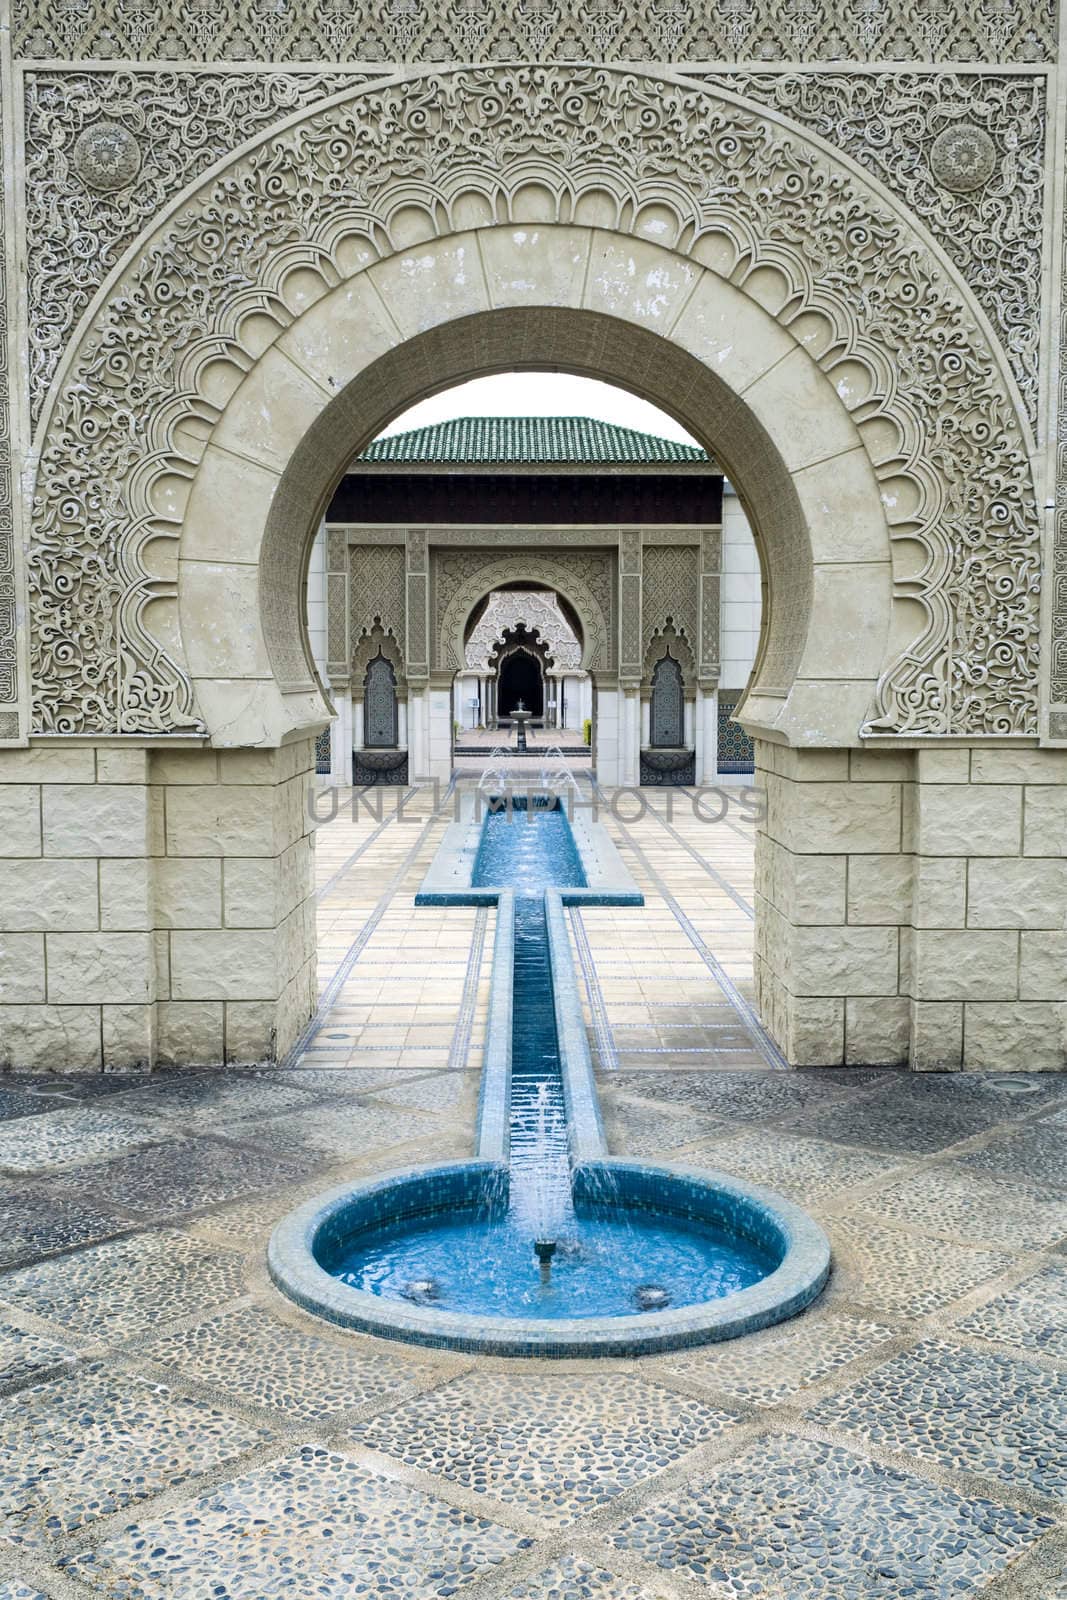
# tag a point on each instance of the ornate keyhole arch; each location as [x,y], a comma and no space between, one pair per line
[632,225]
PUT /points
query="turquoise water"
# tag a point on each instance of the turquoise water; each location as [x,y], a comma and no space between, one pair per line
[606,1259]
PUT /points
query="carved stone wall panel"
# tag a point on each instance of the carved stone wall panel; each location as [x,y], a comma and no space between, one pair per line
[899,325]
[463,577]
[671,593]
[377,591]
[337,647]
[709,649]
[924,135]
[177,123]
[469,31]
[9,671]
[1058,665]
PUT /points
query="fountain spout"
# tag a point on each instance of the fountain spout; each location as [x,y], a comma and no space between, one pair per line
[544,1250]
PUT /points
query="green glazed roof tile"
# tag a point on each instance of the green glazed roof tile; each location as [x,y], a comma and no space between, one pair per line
[527,441]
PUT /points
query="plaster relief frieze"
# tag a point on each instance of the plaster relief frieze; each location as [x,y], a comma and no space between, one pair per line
[966,154]
[377,584]
[671,593]
[483,31]
[920,372]
[105,152]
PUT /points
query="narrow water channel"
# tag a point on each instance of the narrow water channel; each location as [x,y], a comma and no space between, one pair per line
[529,851]
[604,1260]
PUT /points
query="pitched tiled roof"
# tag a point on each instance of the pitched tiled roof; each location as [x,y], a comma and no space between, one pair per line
[527,441]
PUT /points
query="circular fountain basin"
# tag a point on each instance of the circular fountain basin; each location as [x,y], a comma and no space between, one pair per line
[433,1256]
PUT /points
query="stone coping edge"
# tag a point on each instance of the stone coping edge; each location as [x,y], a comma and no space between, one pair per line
[767,1219]
[493,1139]
[585,1126]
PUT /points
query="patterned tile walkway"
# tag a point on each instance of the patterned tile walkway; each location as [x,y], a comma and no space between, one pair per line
[170,1427]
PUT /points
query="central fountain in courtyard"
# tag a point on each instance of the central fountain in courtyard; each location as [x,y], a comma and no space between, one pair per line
[543,1244]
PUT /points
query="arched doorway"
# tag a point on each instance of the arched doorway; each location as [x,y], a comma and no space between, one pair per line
[730,320]
[522,679]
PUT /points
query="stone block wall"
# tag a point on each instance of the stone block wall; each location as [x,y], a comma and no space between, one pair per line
[156,906]
[914,907]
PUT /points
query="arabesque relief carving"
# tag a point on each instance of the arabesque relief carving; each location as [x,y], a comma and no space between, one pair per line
[1058,665]
[469,31]
[533,609]
[966,154]
[9,685]
[105,152]
[719,170]
[671,593]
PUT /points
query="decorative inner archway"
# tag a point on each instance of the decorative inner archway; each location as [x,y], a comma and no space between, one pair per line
[699,252]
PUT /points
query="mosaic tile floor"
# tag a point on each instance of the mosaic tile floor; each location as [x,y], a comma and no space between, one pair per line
[170,1429]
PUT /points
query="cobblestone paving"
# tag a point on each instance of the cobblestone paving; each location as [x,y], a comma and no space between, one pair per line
[171,1429]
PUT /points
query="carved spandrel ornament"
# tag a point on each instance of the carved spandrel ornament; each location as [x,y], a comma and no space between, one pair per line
[966,154]
[485,31]
[724,171]
[156,132]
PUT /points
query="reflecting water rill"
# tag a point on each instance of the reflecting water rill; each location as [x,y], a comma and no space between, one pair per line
[610,1255]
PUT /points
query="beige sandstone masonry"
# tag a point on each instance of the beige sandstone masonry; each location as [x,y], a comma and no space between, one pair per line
[157,906]
[912,907]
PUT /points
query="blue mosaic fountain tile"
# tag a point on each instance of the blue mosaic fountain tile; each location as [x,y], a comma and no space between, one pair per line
[249,1353]
[126,1286]
[553,1446]
[312,1526]
[986,1414]
[815,1522]
[13,1589]
[1032,1316]
[72,1451]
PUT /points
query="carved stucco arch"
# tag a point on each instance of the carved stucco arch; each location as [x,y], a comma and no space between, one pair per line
[286,284]
[533,611]
[377,641]
[675,640]
[557,572]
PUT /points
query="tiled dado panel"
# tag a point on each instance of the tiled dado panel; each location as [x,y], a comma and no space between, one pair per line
[155,906]
[912,907]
